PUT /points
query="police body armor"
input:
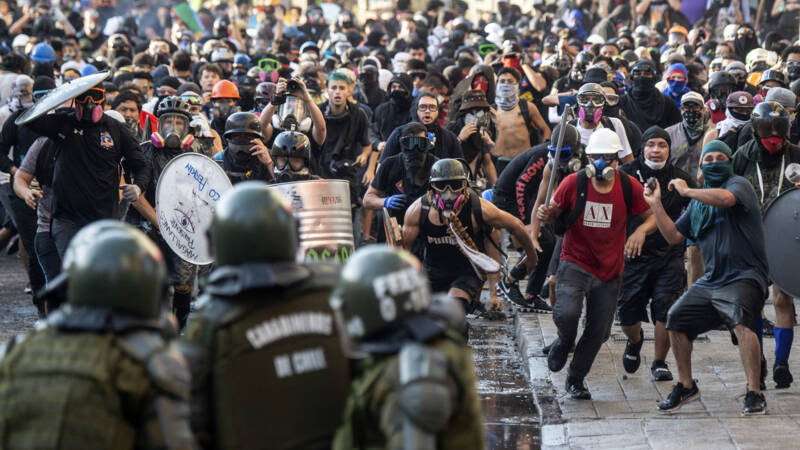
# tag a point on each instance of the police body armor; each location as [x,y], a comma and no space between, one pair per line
[421,397]
[275,374]
[87,381]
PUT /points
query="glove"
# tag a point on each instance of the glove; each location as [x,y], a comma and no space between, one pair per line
[396,202]
[200,122]
[130,192]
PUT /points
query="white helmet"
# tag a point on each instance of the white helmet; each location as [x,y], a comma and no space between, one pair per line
[21,40]
[603,141]
[729,32]
[384,77]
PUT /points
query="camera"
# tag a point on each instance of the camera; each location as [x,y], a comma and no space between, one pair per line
[292,86]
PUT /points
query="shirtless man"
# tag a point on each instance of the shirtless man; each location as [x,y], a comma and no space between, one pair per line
[510,118]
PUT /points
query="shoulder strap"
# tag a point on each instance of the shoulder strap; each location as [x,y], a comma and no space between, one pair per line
[625,182]
[580,200]
[475,203]
[526,116]
[608,123]
[425,208]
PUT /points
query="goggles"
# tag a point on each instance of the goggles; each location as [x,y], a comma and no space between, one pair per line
[485,49]
[452,185]
[591,99]
[93,95]
[269,65]
[612,99]
[419,143]
[37,95]
[564,156]
[643,73]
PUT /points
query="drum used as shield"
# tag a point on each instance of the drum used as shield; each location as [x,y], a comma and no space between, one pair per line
[782,240]
[60,95]
[186,195]
[326,223]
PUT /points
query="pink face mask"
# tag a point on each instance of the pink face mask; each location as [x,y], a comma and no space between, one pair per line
[595,117]
[96,115]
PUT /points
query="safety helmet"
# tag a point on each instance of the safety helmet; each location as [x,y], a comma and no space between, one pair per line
[174,115]
[449,183]
[222,55]
[175,104]
[760,59]
[379,288]
[290,144]
[225,89]
[241,59]
[769,117]
[603,141]
[571,148]
[252,223]
[265,91]
[773,75]
[43,52]
[111,264]
[243,122]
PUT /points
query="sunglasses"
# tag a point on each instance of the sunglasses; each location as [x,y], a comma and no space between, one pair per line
[452,185]
[94,95]
[269,65]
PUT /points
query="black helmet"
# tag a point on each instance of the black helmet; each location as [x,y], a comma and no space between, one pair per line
[251,224]
[174,104]
[769,119]
[111,264]
[447,170]
[448,184]
[265,91]
[721,78]
[773,75]
[243,122]
[579,66]
[290,144]
[379,287]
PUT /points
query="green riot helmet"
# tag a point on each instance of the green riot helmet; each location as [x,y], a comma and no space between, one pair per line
[379,288]
[253,223]
[111,264]
[448,185]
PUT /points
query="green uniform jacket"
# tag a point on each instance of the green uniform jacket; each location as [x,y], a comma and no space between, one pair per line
[92,390]
[373,420]
[268,369]
[744,164]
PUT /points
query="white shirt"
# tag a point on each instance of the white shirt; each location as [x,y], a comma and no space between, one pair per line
[618,128]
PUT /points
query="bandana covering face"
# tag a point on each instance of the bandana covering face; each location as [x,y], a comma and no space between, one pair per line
[714,176]
[730,122]
[507,96]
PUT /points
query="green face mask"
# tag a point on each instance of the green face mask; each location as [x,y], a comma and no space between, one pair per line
[715,174]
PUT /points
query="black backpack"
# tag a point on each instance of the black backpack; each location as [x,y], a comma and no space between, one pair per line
[533,132]
[567,218]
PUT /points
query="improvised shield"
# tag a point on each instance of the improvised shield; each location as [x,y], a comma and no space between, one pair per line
[186,194]
[394,235]
[60,95]
[322,207]
[782,240]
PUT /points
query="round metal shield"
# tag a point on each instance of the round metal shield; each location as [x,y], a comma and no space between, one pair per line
[782,240]
[61,94]
[187,193]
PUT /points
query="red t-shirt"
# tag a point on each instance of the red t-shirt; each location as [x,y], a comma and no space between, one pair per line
[596,241]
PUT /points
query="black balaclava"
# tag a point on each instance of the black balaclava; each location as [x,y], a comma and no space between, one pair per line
[415,175]
[368,83]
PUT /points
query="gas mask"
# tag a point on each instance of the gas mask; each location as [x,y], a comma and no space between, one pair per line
[221,111]
[449,195]
[591,107]
[292,115]
[792,70]
[173,133]
[567,161]
[89,105]
[601,168]
[241,151]
[285,173]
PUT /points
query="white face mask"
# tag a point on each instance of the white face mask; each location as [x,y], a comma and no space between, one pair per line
[655,165]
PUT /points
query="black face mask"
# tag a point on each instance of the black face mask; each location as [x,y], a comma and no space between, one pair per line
[693,120]
[415,175]
[643,84]
[793,72]
[241,152]
[611,111]
[401,97]
[740,116]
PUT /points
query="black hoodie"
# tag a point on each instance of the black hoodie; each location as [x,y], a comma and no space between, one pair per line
[390,114]
[445,144]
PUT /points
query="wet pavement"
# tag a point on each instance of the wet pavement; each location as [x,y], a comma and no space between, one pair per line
[510,415]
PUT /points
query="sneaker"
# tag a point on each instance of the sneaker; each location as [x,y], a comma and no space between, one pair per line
[660,371]
[679,397]
[763,377]
[754,404]
[781,375]
[631,358]
[512,293]
[769,327]
[540,306]
[557,356]
[545,291]
[28,289]
[577,390]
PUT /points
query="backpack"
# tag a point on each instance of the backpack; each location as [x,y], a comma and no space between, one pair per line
[568,218]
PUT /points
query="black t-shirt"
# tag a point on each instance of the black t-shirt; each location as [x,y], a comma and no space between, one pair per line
[96,41]
[338,128]
[87,169]
[517,186]
[391,175]
[20,138]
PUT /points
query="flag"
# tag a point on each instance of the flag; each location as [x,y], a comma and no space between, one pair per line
[188,16]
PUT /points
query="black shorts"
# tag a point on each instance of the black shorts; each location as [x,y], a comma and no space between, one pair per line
[661,279]
[470,284]
[701,309]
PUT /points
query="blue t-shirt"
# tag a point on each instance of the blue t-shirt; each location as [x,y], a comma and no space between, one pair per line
[733,249]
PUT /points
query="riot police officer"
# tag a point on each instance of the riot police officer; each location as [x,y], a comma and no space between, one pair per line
[291,157]
[417,389]
[245,156]
[99,373]
[173,137]
[267,367]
